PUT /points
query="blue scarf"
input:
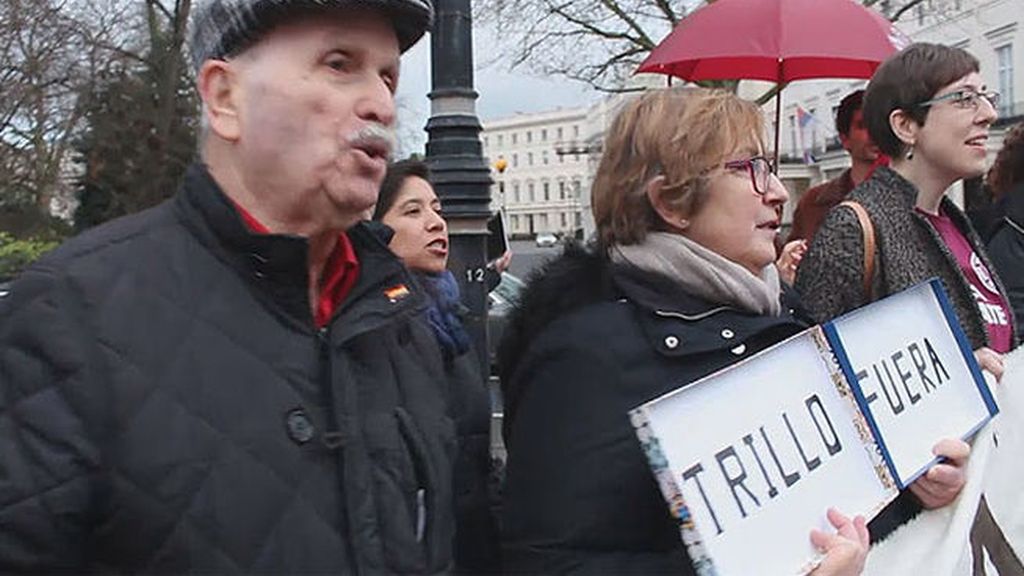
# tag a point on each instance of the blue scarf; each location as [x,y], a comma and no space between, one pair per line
[442,313]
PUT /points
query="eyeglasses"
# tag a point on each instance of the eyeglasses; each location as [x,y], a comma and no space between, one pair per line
[760,169]
[966,98]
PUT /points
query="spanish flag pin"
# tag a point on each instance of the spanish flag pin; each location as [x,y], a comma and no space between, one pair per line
[396,293]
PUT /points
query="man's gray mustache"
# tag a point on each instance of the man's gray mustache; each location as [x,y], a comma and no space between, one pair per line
[374,135]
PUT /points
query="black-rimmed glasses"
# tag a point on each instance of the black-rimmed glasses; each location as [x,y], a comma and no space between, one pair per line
[760,169]
[966,98]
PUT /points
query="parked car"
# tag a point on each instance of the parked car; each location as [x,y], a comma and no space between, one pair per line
[5,289]
[546,239]
[500,302]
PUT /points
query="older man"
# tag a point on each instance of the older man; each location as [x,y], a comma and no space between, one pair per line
[237,380]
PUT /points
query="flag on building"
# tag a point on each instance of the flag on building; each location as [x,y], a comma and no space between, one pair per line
[803,119]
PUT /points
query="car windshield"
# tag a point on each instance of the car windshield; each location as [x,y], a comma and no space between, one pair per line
[509,288]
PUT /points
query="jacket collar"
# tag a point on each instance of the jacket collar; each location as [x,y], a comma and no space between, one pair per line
[836,190]
[275,264]
[677,324]
[1014,206]
[897,188]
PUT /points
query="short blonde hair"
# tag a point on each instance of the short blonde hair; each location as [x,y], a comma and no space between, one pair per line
[678,133]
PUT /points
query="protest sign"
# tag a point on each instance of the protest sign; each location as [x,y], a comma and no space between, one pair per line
[750,458]
[904,375]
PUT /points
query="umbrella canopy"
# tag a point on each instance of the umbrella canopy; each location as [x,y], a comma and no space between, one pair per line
[776,40]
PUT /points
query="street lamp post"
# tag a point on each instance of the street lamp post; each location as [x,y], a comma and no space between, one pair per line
[458,169]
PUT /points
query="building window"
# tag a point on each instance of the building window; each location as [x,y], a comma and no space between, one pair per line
[576,188]
[559,132]
[515,191]
[515,138]
[529,158]
[1004,57]
[486,141]
[547,191]
[529,136]
[515,160]
[564,221]
[544,135]
[814,129]
[501,139]
[561,189]
[529,190]
[793,147]
[544,157]
[578,220]
[576,131]
[515,223]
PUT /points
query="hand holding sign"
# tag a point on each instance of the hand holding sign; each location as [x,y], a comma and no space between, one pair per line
[943,481]
[990,361]
[846,550]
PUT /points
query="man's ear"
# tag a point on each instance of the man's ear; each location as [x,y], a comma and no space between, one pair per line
[220,92]
[903,126]
[670,215]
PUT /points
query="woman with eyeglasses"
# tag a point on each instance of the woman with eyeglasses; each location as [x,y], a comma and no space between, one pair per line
[679,284]
[928,108]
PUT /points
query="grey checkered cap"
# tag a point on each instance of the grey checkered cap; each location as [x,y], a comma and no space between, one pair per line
[224,27]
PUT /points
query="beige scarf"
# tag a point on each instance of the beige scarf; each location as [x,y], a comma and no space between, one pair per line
[704,273]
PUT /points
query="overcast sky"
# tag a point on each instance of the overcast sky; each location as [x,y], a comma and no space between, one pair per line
[502,93]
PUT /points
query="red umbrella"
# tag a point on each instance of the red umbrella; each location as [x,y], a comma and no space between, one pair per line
[776,40]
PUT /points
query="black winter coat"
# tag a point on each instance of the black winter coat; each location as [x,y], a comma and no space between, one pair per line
[1006,249]
[166,405]
[590,342]
[476,490]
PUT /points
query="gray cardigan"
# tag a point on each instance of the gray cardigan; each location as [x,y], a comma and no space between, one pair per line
[908,250]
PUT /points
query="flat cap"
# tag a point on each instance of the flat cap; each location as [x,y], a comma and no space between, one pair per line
[222,28]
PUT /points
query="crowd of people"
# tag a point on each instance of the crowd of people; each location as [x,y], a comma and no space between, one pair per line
[269,373]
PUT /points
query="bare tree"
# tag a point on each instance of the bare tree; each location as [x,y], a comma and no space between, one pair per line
[51,51]
[598,42]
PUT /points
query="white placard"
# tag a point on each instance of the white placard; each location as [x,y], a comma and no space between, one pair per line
[759,452]
[918,382]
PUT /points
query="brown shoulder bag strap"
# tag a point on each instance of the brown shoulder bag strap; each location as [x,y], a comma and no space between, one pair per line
[869,243]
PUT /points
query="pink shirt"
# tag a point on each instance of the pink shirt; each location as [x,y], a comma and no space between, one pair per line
[990,302]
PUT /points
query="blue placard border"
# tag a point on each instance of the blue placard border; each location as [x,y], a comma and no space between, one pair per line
[965,349]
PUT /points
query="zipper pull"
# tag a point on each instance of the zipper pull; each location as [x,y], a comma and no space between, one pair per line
[421,514]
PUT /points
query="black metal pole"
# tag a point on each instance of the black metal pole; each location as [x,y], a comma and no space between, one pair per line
[460,173]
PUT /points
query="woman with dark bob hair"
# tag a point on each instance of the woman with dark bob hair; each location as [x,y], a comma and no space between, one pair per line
[928,109]
[1006,245]
[680,284]
[409,207]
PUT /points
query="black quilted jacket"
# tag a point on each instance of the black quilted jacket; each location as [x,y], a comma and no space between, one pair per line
[166,405]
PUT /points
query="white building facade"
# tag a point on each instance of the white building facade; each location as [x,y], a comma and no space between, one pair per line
[540,169]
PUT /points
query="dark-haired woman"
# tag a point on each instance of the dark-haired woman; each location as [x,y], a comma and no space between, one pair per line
[927,108]
[408,205]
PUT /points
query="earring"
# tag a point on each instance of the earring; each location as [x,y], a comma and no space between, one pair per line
[683,223]
[910,152]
